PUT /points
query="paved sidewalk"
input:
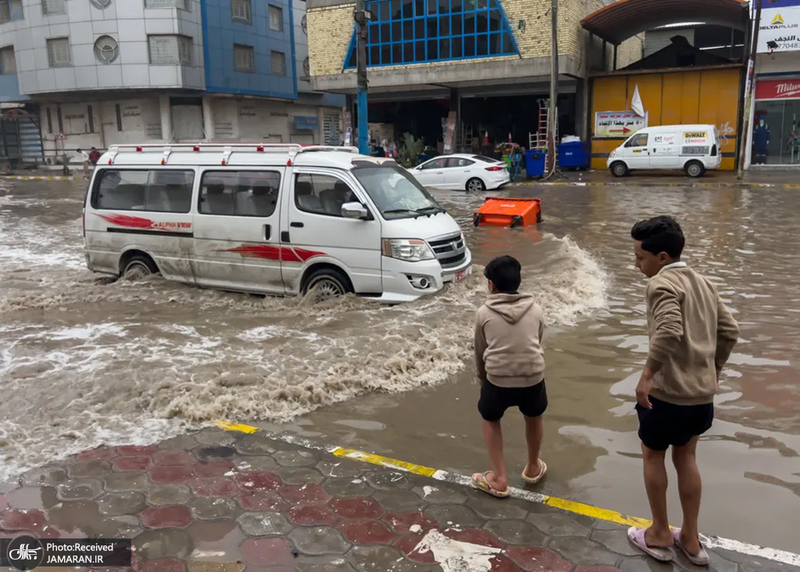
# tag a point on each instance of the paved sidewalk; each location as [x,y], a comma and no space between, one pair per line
[220,501]
[767,178]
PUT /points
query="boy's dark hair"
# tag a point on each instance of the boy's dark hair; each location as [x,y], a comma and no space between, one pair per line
[660,234]
[505,272]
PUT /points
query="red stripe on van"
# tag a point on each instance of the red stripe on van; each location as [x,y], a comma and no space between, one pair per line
[270,252]
[128,221]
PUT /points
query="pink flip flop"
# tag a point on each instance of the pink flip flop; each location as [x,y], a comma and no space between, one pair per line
[636,536]
[699,559]
[479,482]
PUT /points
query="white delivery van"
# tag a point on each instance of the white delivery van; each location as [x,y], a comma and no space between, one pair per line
[693,148]
[270,219]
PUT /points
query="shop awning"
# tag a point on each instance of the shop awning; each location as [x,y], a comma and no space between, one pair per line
[623,19]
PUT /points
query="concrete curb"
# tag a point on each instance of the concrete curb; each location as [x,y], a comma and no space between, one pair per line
[775,555]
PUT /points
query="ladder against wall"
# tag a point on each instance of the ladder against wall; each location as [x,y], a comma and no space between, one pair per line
[539,139]
[464,138]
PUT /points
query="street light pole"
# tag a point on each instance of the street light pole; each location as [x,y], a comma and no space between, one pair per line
[553,123]
[744,136]
[361,72]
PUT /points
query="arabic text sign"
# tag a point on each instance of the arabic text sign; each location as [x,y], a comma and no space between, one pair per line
[779,30]
[778,89]
[617,124]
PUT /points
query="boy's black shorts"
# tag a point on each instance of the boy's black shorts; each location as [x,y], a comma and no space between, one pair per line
[669,424]
[532,400]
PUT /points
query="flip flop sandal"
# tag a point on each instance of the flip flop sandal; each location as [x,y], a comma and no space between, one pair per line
[537,478]
[699,559]
[636,536]
[479,482]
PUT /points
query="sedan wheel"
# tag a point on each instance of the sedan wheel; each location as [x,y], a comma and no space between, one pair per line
[475,186]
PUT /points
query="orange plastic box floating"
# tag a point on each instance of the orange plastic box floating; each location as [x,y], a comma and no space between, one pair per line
[499,211]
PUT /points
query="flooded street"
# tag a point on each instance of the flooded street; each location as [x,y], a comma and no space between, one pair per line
[87,361]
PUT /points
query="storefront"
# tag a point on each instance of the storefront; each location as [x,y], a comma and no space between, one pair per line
[775,120]
[776,132]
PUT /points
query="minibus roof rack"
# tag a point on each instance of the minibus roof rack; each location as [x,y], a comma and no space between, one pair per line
[166,149]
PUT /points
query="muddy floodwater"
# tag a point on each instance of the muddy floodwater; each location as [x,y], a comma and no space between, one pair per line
[85,360]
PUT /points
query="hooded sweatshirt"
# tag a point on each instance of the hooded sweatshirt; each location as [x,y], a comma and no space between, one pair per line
[508,335]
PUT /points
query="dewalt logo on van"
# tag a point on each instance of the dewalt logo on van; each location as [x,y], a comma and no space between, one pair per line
[695,135]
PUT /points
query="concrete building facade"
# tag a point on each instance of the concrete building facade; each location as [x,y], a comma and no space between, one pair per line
[100,72]
[462,51]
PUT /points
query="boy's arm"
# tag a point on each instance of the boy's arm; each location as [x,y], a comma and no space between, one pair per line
[480,348]
[727,335]
[665,307]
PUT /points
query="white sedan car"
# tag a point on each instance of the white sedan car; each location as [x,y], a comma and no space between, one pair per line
[462,173]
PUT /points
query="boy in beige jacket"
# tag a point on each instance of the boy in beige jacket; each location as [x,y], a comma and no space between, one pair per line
[510,365]
[692,335]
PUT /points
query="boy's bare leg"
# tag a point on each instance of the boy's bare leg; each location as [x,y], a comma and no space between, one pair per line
[534,431]
[655,482]
[690,488]
[493,437]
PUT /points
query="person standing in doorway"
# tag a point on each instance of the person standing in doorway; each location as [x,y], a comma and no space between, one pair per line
[94,156]
[692,335]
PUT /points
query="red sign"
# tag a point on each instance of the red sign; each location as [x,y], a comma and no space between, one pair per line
[778,89]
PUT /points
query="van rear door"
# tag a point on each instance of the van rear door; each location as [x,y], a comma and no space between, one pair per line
[236,234]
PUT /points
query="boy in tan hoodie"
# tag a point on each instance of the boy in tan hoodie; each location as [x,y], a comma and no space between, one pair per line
[510,366]
[692,335]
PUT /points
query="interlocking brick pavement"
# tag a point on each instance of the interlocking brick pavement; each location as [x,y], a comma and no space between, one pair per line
[220,501]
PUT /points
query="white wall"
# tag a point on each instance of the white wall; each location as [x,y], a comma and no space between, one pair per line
[127,22]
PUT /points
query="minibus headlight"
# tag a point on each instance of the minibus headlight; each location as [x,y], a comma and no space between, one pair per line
[411,250]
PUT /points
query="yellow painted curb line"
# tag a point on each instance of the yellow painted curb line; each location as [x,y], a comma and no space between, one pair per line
[373,459]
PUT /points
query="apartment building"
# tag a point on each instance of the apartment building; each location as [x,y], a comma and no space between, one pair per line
[101,72]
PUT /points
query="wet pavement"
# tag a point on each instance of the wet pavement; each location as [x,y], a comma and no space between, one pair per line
[215,501]
[86,361]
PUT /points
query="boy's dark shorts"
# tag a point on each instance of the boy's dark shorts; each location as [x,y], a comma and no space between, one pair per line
[669,424]
[532,400]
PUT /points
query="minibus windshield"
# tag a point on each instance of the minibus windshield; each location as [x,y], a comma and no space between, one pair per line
[396,193]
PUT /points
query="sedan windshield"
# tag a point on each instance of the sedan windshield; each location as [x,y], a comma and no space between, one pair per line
[396,193]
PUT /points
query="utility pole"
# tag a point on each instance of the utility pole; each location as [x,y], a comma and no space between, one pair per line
[361,17]
[552,126]
[744,136]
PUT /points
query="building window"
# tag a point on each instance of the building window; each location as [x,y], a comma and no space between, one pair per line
[275,18]
[278,63]
[52,7]
[118,110]
[106,49]
[170,50]
[58,53]
[166,4]
[241,11]
[5,11]
[49,121]
[8,63]
[306,69]
[419,31]
[90,117]
[244,58]
[101,4]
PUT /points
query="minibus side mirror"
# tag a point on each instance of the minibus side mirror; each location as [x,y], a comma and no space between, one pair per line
[355,211]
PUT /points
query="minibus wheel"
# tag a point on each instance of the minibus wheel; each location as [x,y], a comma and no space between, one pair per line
[139,266]
[327,283]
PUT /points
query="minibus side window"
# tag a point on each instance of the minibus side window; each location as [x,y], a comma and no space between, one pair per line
[166,191]
[239,193]
[322,194]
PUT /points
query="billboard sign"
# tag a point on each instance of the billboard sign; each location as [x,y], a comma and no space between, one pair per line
[617,124]
[780,29]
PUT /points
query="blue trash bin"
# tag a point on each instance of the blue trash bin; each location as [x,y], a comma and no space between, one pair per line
[534,163]
[573,155]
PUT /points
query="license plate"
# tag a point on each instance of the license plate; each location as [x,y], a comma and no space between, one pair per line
[461,276]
